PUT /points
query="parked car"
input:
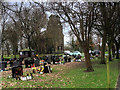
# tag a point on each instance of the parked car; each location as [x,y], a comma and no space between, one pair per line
[96,53]
[75,53]
[116,51]
[67,52]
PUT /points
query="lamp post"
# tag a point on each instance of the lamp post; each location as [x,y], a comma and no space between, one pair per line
[108,72]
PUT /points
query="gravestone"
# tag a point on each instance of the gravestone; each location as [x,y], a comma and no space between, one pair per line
[5,59]
[46,68]
[57,59]
[11,62]
[28,61]
[49,59]
[69,59]
[17,69]
[3,65]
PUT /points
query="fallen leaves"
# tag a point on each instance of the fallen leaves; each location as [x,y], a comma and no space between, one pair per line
[39,86]
[50,80]
[61,80]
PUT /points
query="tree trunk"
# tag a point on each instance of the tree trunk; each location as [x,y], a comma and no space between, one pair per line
[87,58]
[103,51]
[8,50]
[2,50]
[29,45]
[15,48]
[117,49]
[21,46]
[113,50]
[2,46]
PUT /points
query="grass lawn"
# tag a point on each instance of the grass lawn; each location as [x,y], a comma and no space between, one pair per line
[106,52]
[17,56]
[41,55]
[69,75]
[10,56]
[96,79]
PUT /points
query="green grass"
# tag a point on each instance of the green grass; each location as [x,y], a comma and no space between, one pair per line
[10,56]
[106,52]
[96,79]
[70,78]
[41,55]
[17,56]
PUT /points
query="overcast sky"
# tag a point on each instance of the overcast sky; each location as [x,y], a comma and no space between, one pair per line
[65,29]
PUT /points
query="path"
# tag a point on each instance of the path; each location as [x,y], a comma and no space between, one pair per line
[118,83]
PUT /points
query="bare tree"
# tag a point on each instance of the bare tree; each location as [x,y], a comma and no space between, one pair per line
[12,36]
[80,17]
[106,19]
[116,28]
[28,19]
[39,22]
[3,21]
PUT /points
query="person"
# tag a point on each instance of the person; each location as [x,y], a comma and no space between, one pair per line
[53,58]
[69,58]
[65,58]
[78,57]
[36,61]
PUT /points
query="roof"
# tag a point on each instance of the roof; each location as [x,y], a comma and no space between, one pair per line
[26,49]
